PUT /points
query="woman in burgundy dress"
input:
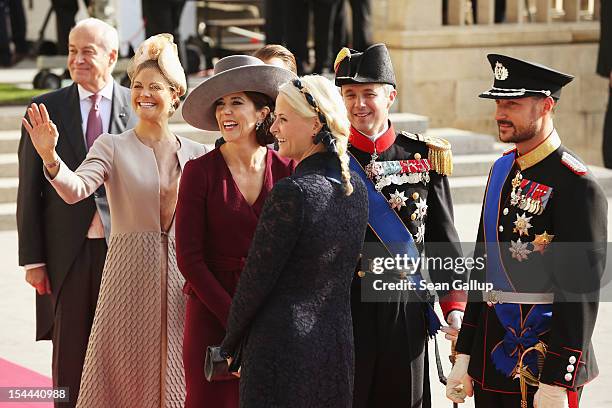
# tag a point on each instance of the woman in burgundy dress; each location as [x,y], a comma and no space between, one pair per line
[221,196]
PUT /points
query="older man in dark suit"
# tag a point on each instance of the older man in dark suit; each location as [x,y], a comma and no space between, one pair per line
[61,246]
[604,68]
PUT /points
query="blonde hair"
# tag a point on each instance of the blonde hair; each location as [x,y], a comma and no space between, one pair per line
[330,104]
[161,49]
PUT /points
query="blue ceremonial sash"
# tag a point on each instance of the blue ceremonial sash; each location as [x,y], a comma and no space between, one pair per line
[393,233]
[521,332]
[496,273]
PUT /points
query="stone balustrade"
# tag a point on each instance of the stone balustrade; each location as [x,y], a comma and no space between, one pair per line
[459,12]
[441,69]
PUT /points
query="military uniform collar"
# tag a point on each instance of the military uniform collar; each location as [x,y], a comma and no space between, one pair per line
[540,152]
[364,143]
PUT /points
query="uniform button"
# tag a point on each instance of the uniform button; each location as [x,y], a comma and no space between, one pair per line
[413,217]
[501,228]
[570,368]
[506,211]
[415,196]
[568,377]
[572,360]
[402,275]
[417,156]
[361,274]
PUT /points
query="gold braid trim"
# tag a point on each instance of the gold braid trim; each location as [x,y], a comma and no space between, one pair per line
[440,155]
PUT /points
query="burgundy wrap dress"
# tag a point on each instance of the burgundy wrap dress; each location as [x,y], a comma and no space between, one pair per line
[214,229]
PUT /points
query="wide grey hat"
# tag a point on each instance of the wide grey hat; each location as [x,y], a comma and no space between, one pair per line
[236,73]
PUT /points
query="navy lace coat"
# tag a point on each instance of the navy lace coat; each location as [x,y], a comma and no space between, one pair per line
[291,310]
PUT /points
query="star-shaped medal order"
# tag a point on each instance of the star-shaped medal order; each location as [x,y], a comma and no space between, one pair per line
[397,200]
[542,241]
[421,208]
[420,235]
[522,225]
[519,250]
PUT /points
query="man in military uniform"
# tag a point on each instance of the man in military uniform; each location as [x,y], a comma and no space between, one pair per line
[410,204]
[543,231]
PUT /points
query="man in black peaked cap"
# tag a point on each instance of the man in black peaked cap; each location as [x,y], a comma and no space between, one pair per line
[543,230]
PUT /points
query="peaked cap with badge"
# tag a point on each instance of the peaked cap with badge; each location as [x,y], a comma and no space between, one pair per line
[542,215]
[409,201]
[515,78]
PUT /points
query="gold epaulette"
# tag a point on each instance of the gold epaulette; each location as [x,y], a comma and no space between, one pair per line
[440,155]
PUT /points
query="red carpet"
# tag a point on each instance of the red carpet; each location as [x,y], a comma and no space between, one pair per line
[15,376]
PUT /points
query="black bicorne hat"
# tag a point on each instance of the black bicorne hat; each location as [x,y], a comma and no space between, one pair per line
[370,66]
[515,78]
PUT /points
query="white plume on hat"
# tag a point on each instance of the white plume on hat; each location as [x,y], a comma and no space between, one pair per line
[161,47]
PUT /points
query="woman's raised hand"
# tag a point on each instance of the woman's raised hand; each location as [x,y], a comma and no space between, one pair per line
[43,132]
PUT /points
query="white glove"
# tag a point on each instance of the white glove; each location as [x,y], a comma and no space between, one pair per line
[459,383]
[550,396]
[454,320]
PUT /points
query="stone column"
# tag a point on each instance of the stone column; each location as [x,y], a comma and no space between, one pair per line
[514,11]
[486,12]
[544,11]
[413,14]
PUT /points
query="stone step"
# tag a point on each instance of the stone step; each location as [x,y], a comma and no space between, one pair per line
[10,117]
[466,142]
[8,165]
[8,219]
[8,189]
[9,141]
[466,165]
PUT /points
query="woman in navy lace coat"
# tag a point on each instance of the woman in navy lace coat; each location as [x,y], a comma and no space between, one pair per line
[291,311]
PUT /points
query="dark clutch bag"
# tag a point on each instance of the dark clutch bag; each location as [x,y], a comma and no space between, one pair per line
[216,367]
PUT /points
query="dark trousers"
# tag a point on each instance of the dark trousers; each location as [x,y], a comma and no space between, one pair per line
[362,24]
[607,133]
[74,313]
[12,29]
[391,359]
[340,37]
[297,32]
[486,399]
[275,22]
[162,17]
[324,13]
[65,11]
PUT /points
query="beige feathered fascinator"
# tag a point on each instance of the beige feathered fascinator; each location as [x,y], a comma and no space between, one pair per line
[161,47]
